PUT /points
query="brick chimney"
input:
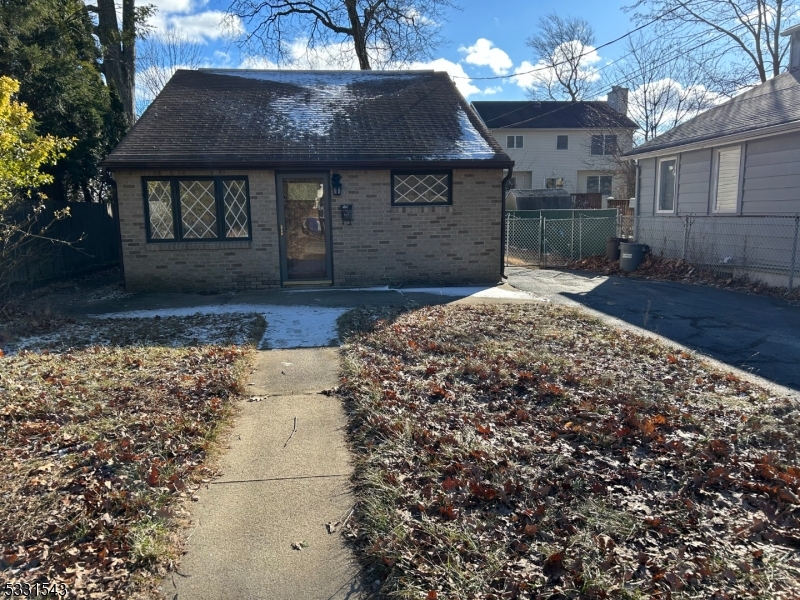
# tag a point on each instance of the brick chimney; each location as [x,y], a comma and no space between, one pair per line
[793,33]
[618,99]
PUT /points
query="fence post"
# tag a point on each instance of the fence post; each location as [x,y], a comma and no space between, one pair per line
[794,251]
[508,235]
[685,237]
[572,237]
[580,239]
[544,241]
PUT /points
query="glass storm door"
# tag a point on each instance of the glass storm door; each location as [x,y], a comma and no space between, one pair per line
[303,224]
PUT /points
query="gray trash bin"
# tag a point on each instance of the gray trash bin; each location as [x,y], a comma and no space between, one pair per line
[612,247]
[631,255]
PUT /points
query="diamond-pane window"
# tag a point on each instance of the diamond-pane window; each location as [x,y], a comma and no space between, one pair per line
[234,195]
[418,188]
[159,208]
[198,209]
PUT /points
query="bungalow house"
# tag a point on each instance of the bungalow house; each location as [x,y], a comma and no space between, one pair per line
[570,145]
[729,173]
[237,179]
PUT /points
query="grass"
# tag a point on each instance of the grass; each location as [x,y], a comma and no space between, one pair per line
[526,451]
[101,445]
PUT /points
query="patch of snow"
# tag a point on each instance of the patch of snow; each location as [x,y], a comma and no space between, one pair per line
[471,292]
[472,144]
[287,326]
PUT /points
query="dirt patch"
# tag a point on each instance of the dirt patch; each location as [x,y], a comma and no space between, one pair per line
[527,451]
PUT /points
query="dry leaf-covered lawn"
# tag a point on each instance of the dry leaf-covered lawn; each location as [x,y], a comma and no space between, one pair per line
[98,447]
[529,452]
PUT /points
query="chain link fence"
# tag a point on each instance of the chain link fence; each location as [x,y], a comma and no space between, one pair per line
[758,248]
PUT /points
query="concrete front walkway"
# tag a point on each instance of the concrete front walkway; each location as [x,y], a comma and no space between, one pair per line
[273,493]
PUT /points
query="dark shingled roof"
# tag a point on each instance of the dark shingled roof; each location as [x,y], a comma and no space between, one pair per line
[774,102]
[550,115]
[297,119]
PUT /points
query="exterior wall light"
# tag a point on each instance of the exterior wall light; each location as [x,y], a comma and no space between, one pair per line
[336,184]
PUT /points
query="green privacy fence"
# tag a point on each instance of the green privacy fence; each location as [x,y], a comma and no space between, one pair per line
[556,237]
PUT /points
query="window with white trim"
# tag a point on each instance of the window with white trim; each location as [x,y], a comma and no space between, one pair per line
[604,145]
[553,183]
[727,163]
[599,184]
[422,188]
[196,208]
[562,142]
[666,184]
[514,141]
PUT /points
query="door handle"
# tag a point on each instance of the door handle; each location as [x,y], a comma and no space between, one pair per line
[281,229]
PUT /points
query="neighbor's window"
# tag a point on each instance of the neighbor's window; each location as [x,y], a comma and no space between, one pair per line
[562,142]
[514,141]
[726,194]
[604,145]
[599,184]
[552,183]
[667,180]
[422,188]
[199,208]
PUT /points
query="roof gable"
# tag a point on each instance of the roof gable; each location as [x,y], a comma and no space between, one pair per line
[550,115]
[281,118]
[774,102]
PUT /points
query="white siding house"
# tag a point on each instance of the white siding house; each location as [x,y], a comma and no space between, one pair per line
[570,145]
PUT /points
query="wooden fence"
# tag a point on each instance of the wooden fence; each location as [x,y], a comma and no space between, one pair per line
[90,230]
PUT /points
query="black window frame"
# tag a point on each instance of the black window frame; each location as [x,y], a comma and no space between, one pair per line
[447,172]
[515,141]
[219,205]
[565,140]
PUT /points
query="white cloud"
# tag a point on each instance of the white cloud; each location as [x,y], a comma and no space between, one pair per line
[490,91]
[198,27]
[177,6]
[257,62]
[483,53]
[460,77]
[522,77]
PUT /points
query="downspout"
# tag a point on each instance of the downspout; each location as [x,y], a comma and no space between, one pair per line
[109,179]
[503,222]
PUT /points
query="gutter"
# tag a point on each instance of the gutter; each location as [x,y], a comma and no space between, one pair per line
[109,179]
[503,221]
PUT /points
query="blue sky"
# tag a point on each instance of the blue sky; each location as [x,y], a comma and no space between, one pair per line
[484,39]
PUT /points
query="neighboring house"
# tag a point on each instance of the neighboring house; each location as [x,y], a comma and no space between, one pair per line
[238,179]
[569,145]
[738,159]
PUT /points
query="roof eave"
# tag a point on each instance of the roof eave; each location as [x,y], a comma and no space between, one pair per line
[306,165]
[715,141]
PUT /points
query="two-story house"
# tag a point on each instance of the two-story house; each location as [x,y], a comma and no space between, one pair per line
[576,146]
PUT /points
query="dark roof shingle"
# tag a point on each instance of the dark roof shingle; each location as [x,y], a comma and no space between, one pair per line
[550,115]
[218,118]
[774,102]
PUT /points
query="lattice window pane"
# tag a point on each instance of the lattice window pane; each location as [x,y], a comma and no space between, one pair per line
[159,205]
[198,209]
[234,194]
[422,189]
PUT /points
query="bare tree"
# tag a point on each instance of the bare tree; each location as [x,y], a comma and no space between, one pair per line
[157,59]
[668,85]
[745,33]
[562,47]
[381,31]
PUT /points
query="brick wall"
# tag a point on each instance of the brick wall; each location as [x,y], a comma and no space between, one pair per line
[384,245]
[199,266]
[427,244]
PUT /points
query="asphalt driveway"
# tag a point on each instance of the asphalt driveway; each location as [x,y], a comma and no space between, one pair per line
[755,333]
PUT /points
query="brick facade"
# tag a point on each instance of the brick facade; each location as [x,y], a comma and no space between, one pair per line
[384,244]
